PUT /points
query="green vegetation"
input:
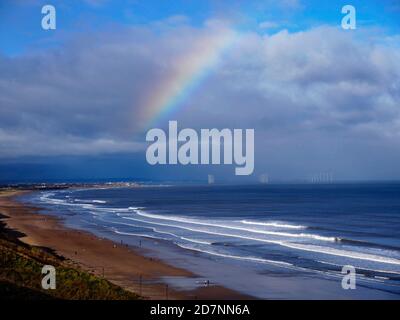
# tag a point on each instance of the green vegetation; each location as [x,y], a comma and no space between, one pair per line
[20,274]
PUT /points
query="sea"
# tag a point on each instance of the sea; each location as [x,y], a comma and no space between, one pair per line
[278,241]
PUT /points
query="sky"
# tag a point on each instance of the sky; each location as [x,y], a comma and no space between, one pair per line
[76,102]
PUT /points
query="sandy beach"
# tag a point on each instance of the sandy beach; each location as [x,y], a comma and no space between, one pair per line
[122,265]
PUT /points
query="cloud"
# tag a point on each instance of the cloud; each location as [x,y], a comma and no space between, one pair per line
[268,25]
[321,79]
[32,143]
[309,88]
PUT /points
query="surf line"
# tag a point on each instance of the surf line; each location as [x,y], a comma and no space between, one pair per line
[298,246]
[184,146]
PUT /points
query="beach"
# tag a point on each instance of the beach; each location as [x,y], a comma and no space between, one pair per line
[119,263]
[202,242]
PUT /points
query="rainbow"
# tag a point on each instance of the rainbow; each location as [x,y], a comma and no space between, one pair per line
[191,69]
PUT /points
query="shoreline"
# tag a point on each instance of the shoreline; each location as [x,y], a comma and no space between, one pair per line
[120,264]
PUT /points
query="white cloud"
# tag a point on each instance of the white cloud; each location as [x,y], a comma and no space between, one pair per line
[268,25]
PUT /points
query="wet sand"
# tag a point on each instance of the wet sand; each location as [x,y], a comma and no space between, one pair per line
[118,263]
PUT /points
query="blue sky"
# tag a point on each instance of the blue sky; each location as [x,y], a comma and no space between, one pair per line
[320,98]
[20,20]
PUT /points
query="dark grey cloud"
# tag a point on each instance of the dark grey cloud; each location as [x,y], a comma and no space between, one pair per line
[321,94]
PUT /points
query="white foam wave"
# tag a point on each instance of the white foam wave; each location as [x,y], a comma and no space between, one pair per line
[83,204]
[343,253]
[138,235]
[363,268]
[203,231]
[162,232]
[273,224]
[265,232]
[46,199]
[196,241]
[99,201]
[304,247]
[254,259]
